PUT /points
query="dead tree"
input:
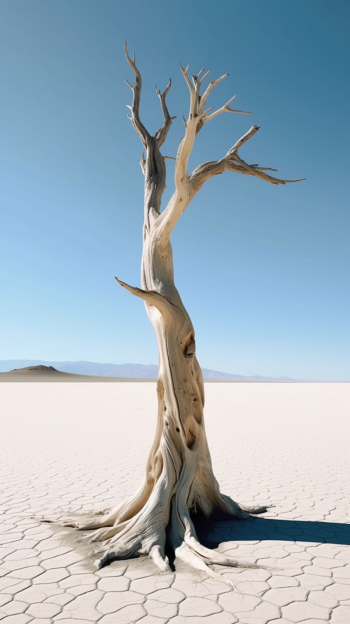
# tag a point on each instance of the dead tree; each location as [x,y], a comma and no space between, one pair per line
[179,478]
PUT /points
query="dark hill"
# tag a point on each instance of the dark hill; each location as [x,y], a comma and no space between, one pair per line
[39,368]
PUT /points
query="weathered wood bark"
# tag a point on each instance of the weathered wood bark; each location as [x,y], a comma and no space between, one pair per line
[179,477]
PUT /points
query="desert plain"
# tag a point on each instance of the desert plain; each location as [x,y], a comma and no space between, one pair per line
[82,446]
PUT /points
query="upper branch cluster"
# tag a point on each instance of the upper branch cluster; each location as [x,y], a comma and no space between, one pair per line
[144,135]
[198,101]
[197,117]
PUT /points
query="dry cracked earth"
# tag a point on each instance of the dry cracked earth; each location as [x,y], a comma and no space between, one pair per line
[80,447]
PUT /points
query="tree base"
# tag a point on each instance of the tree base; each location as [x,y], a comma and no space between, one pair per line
[146,533]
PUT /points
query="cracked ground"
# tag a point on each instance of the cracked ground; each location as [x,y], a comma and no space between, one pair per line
[83,446]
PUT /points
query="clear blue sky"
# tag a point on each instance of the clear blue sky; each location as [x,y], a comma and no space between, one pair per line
[263,270]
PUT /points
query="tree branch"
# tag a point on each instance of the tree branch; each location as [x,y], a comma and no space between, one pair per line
[143,163]
[193,122]
[232,162]
[197,117]
[248,135]
[161,134]
[152,297]
[152,163]
[258,172]
[135,107]
[224,109]
[208,91]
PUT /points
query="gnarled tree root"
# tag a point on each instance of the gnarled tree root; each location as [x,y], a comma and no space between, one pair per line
[162,525]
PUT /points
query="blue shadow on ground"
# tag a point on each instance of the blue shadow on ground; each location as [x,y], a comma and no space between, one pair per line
[212,532]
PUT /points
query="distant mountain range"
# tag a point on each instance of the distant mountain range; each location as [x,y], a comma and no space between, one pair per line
[135,371]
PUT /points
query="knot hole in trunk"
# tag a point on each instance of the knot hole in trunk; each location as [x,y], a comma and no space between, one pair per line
[189,346]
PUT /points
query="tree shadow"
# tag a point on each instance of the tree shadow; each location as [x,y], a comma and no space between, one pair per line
[219,528]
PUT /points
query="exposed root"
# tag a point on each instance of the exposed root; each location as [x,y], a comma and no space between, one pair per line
[159,558]
[145,534]
[255,511]
[232,508]
[83,521]
[87,525]
[132,529]
[100,535]
[213,557]
[186,554]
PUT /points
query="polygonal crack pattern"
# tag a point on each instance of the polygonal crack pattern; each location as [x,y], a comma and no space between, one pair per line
[57,456]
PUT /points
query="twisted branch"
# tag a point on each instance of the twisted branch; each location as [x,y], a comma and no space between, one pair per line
[161,134]
[207,92]
[197,117]
[232,162]
[224,109]
[144,135]
[152,297]
[135,107]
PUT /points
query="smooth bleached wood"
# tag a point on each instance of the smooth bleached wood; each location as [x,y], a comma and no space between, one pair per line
[179,478]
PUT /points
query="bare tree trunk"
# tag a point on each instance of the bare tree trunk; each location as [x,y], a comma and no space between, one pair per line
[179,478]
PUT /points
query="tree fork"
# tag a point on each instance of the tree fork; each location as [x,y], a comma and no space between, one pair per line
[179,478]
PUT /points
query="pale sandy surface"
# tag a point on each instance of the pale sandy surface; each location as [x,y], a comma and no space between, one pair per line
[83,446]
[25,376]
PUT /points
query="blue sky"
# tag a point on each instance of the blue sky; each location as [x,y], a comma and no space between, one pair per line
[263,270]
